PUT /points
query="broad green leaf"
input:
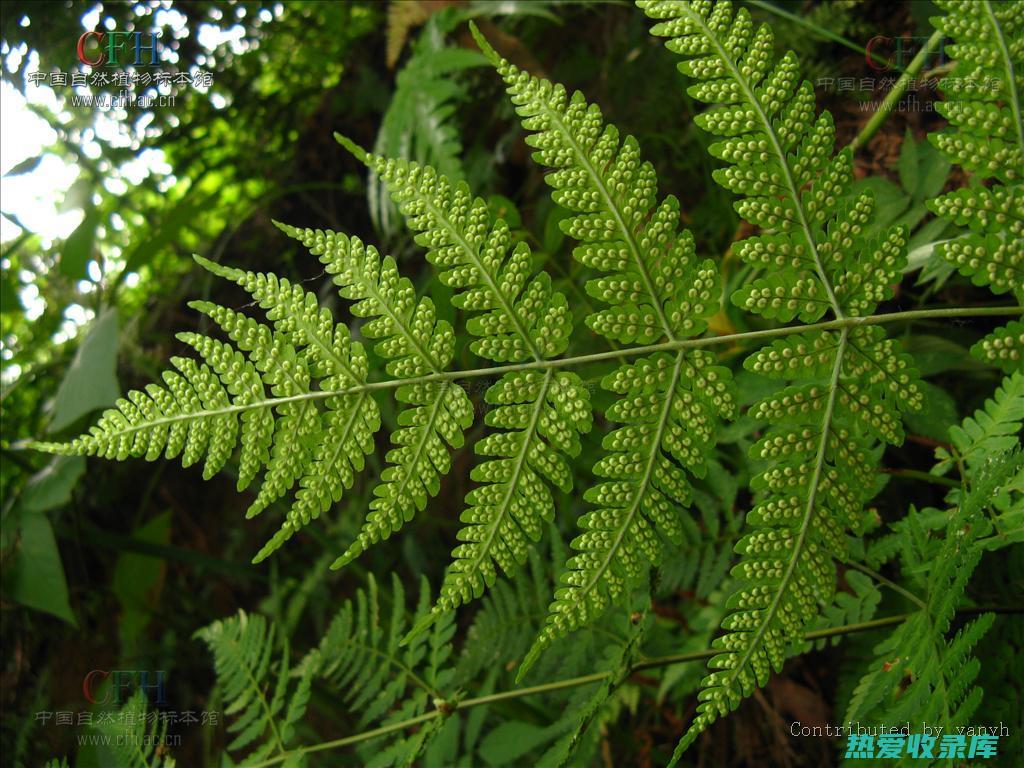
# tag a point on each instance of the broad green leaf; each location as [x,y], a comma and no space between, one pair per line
[91,381]
[51,486]
[37,577]
[78,248]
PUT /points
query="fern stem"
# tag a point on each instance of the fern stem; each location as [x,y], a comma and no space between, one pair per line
[568,362]
[817,29]
[894,95]
[596,677]
[927,477]
[888,583]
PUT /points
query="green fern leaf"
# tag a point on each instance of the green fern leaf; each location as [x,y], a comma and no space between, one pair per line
[986,137]
[205,409]
[133,739]
[264,703]
[993,429]
[940,672]
[984,90]
[1004,347]
[382,680]
[852,384]
[419,123]
[656,288]
[515,318]
[415,344]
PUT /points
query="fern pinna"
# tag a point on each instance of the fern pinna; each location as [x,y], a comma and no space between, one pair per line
[822,444]
[262,701]
[986,136]
[260,391]
[515,318]
[416,345]
[656,289]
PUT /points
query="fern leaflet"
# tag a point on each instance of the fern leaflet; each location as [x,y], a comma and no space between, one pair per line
[259,693]
[415,343]
[983,106]
[994,428]
[385,682]
[515,318]
[822,447]
[656,289]
[206,408]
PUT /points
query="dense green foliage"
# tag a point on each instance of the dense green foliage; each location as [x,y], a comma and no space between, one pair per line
[700,438]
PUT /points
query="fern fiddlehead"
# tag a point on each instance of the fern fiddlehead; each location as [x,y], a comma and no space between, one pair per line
[414,342]
[514,318]
[984,109]
[822,443]
[655,288]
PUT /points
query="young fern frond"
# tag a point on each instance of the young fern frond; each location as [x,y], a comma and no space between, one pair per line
[415,343]
[656,289]
[984,98]
[515,318]
[994,428]
[383,681]
[822,446]
[207,408]
[260,695]
[941,672]
[133,739]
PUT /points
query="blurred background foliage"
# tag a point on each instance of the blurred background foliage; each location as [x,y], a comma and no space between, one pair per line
[114,566]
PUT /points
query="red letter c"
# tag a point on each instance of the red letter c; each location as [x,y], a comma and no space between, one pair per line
[87,680]
[81,48]
[869,54]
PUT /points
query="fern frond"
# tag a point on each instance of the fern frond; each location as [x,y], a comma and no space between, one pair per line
[133,739]
[994,428]
[415,344]
[917,672]
[515,317]
[655,288]
[207,408]
[1004,347]
[822,448]
[264,703]
[984,97]
[382,680]
[419,123]
[984,89]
